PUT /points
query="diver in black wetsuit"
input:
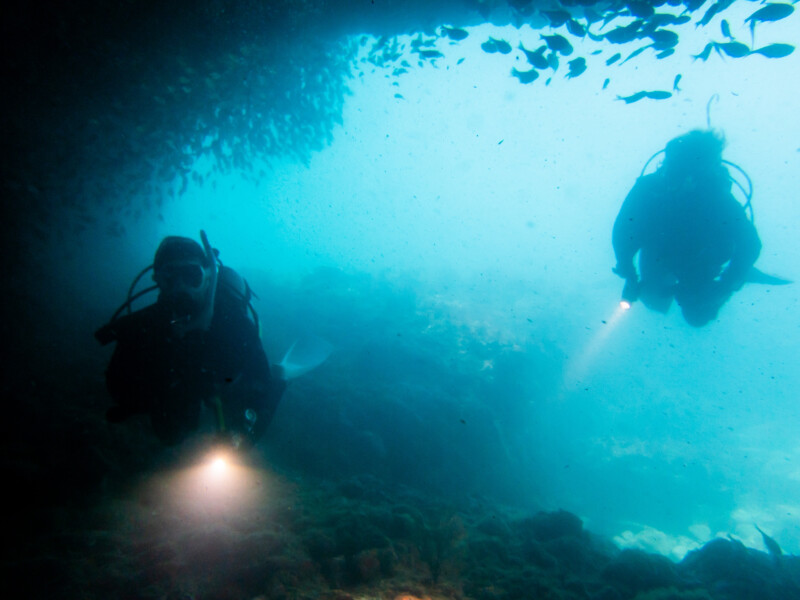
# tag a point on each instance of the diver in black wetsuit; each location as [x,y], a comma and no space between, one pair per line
[196,345]
[695,242]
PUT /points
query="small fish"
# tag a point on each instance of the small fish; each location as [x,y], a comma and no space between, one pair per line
[635,53]
[595,37]
[640,9]
[633,98]
[419,41]
[537,58]
[663,39]
[677,80]
[623,35]
[661,19]
[726,29]
[705,53]
[710,14]
[772,546]
[557,17]
[503,47]
[665,53]
[430,54]
[525,76]
[552,61]
[576,28]
[576,67]
[733,49]
[460,60]
[399,96]
[557,43]
[454,33]
[655,95]
[489,46]
[771,12]
[591,15]
[774,50]
[613,59]
[606,82]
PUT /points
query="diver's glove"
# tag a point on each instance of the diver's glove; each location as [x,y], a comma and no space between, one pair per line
[246,434]
[721,291]
[630,292]
[626,271]
[727,283]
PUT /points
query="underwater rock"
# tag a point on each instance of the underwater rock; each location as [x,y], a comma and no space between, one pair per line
[494,526]
[320,546]
[546,526]
[365,566]
[335,571]
[607,593]
[674,594]
[534,553]
[637,571]
[358,533]
[490,551]
[727,566]
[718,559]
[576,555]
[405,522]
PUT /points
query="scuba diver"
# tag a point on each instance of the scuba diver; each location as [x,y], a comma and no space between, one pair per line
[696,243]
[196,345]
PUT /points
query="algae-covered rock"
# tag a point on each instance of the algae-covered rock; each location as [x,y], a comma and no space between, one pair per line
[673,594]
[494,525]
[728,567]
[546,526]
[636,571]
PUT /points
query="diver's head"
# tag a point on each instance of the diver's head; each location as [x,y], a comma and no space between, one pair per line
[698,151]
[183,274]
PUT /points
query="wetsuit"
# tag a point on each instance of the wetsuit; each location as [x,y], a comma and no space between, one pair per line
[694,239]
[154,371]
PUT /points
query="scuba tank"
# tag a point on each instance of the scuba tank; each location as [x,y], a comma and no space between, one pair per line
[747,192]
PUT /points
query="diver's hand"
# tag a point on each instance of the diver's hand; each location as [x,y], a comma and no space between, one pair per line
[725,283]
[630,292]
[721,292]
[627,271]
[234,440]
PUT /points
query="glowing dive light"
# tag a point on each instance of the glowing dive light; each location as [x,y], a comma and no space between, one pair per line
[624,304]
[218,464]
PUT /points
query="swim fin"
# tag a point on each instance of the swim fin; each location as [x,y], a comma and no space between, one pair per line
[304,354]
[756,276]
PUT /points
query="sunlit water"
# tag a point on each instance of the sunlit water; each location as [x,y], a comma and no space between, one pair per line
[498,199]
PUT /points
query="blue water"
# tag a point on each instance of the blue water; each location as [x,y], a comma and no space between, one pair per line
[452,244]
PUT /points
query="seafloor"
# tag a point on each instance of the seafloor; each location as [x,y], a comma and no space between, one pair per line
[102,512]
[361,539]
[177,533]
